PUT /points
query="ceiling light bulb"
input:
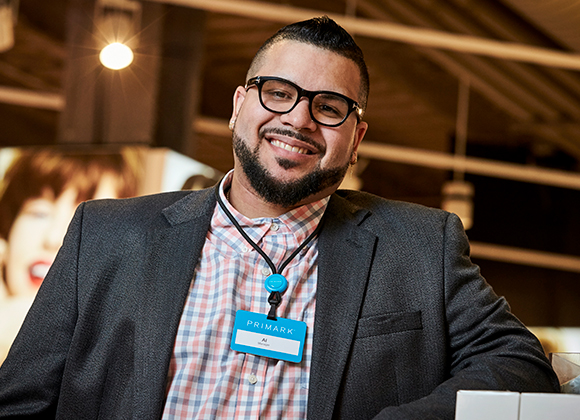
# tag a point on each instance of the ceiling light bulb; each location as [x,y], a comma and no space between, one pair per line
[116,56]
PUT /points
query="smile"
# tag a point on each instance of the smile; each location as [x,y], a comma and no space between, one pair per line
[38,272]
[294,149]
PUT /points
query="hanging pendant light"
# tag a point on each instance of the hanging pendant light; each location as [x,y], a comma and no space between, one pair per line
[458,199]
[117,23]
[458,193]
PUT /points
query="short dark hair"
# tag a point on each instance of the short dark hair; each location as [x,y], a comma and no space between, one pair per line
[322,32]
[38,169]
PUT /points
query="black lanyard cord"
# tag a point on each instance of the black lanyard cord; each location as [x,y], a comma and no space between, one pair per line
[257,248]
[275,297]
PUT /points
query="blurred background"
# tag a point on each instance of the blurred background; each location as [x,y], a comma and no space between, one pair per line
[474,106]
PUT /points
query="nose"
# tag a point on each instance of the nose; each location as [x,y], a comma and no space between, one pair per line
[299,117]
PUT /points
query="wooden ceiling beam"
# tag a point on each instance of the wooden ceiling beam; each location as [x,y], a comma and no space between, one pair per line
[392,31]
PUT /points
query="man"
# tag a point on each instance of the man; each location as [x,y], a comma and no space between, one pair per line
[304,302]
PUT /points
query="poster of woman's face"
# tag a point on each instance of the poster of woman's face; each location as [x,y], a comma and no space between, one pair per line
[40,192]
[40,189]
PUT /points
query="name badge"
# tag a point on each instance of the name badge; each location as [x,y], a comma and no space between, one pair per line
[282,339]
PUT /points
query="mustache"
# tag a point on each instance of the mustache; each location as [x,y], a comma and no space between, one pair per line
[291,133]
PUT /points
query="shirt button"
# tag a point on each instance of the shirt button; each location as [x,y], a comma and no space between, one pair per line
[266,271]
[245,249]
[252,379]
[274,227]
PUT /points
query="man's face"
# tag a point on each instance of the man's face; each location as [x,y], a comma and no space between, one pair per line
[300,160]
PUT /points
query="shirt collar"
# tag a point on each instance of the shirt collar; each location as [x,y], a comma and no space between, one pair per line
[301,221]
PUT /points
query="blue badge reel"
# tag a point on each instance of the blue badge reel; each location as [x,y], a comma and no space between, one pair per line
[276,283]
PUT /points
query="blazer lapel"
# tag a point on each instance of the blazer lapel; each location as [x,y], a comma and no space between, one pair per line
[173,251]
[345,255]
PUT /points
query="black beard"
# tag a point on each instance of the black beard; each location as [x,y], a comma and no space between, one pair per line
[284,194]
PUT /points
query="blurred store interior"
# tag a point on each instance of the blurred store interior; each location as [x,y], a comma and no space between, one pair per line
[473,101]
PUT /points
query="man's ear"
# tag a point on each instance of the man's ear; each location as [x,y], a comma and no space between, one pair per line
[359,133]
[239,97]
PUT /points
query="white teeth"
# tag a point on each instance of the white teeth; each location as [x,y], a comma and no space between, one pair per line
[285,146]
[39,270]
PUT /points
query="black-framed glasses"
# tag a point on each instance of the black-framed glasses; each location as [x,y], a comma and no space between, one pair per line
[326,108]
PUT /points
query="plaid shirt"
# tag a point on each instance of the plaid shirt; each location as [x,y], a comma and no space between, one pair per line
[207,379]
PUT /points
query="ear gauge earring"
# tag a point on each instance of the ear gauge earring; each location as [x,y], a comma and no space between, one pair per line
[353,159]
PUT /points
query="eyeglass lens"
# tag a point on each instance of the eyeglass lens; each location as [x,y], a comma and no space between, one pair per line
[279,96]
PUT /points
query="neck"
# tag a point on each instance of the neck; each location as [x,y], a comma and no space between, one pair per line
[245,200]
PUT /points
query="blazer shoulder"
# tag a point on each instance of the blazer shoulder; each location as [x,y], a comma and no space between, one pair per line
[168,207]
[382,208]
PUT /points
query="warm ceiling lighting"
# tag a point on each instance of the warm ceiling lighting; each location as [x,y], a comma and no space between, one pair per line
[117,23]
[116,56]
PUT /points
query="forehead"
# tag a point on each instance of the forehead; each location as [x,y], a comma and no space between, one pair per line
[311,67]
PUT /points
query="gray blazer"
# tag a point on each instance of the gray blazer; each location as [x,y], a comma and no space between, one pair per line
[403,318]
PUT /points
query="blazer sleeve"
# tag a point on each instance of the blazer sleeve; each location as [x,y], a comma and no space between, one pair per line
[30,377]
[489,349]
